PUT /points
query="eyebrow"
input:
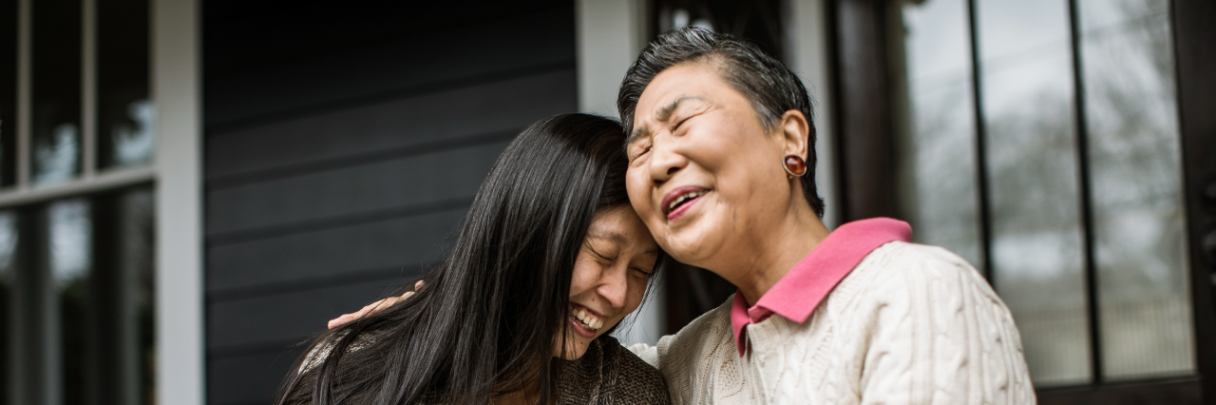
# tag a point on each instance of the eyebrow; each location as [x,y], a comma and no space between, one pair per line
[663,114]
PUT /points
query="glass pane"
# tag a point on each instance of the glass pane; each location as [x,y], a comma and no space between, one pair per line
[8,245]
[138,263]
[56,91]
[937,166]
[1135,173]
[124,116]
[123,280]
[1032,167]
[759,21]
[8,93]
[69,244]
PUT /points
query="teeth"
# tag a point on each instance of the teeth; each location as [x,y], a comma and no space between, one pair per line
[587,320]
[681,199]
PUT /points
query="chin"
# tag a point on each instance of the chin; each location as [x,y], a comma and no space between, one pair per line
[690,245]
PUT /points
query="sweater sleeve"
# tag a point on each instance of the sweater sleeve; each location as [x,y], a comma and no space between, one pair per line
[648,353]
[936,333]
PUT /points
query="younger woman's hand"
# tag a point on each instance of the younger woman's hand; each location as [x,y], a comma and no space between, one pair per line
[373,307]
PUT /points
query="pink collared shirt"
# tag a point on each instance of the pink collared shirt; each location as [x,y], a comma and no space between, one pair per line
[797,294]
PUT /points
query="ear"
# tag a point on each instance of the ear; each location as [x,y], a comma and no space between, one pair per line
[794,130]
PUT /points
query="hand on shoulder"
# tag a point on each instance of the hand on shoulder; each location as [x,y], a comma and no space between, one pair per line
[373,307]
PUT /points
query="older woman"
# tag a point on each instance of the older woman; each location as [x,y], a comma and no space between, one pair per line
[721,168]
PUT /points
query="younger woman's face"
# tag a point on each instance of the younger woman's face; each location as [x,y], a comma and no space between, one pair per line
[610,276]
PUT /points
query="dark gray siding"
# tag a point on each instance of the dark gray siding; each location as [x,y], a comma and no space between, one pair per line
[343,146]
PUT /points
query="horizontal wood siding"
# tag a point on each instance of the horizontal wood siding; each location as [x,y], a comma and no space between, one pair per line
[339,164]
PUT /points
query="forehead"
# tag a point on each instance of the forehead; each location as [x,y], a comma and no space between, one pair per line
[693,78]
[697,80]
[621,225]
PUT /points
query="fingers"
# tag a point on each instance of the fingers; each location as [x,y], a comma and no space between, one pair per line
[371,308]
[367,309]
[378,305]
[339,321]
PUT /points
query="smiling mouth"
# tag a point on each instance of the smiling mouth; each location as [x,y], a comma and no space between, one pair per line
[683,199]
[586,319]
[679,200]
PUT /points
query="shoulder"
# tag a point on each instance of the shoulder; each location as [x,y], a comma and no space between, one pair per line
[924,292]
[628,378]
[709,326]
[899,268]
[701,338]
[711,329]
[914,255]
[918,308]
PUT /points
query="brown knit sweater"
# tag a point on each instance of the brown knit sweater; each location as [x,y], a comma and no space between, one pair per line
[610,374]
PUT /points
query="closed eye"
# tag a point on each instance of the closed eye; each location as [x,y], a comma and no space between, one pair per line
[694,114]
[681,122]
[598,255]
[602,258]
[639,152]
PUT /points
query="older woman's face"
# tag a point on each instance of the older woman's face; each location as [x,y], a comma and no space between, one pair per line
[610,276]
[703,172]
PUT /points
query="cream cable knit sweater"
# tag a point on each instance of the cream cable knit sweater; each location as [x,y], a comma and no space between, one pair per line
[911,324]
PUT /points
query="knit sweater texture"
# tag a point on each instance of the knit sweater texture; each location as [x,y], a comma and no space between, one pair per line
[606,374]
[609,374]
[911,324]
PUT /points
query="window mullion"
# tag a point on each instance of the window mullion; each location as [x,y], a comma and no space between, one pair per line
[88,88]
[24,90]
[1085,192]
[981,157]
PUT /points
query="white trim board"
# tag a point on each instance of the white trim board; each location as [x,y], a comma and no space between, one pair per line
[176,93]
[609,35]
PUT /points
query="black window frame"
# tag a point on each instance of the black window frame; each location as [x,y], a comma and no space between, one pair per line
[864,100]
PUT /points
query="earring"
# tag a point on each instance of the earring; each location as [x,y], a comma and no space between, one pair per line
[795,166]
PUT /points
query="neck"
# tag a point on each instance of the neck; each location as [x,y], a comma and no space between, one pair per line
[771,252]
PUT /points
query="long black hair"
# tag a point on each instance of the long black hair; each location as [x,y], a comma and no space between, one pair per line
[486,323]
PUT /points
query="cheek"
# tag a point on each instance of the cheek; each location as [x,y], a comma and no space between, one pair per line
[743,173]
[734,149]
[584,274]
[636,187]
[637,291]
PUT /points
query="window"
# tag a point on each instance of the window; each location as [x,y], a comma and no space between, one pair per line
[1039,139]
[76,203]
[756,21]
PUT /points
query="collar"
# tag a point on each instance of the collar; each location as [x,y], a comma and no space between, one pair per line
[801,290]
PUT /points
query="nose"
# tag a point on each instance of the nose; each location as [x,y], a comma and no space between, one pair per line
[613,285]
[666,160]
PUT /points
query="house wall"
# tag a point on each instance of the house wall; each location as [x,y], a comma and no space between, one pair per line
[342,149]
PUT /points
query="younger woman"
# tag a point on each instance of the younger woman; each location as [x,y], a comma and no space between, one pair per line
[550,258]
